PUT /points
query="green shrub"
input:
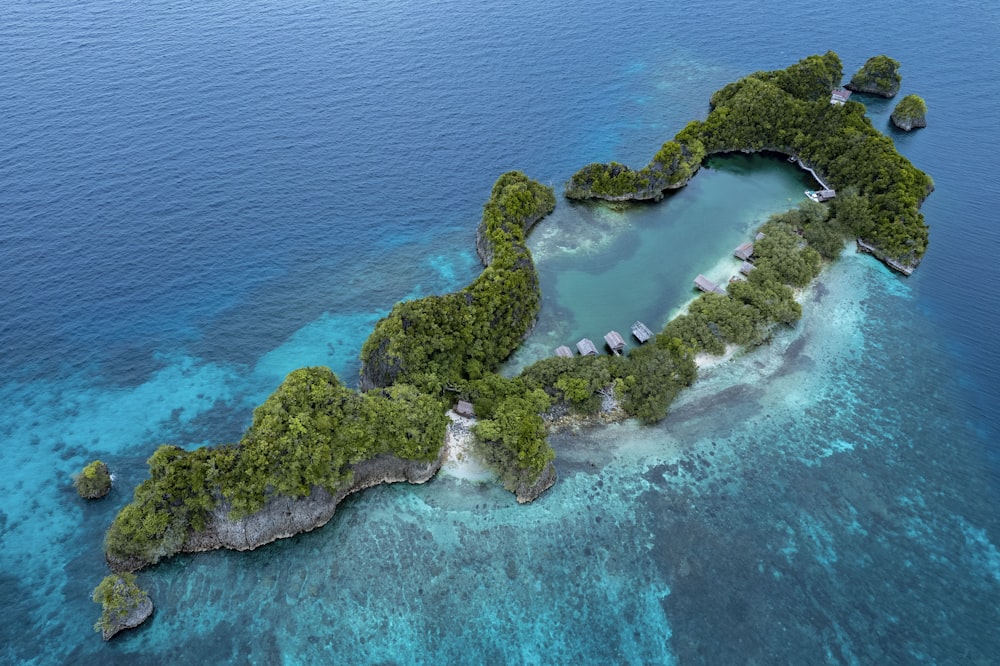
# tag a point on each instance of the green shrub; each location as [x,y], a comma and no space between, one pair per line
[93,481]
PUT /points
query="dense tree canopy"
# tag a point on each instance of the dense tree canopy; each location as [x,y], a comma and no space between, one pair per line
[789,111]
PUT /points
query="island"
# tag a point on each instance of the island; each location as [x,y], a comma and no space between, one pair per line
[910,113]
[879,76]
[314,441]
[124,605]
[93,481]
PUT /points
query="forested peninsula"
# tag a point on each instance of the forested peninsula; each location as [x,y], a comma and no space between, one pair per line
[314,441]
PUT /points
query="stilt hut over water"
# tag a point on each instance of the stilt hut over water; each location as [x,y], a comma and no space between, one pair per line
[615,342]
[746,267]
[587,347]
[641,332]
[707,285]
[564,351]
[744,251]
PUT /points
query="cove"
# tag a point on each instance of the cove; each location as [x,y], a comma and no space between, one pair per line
[602,268]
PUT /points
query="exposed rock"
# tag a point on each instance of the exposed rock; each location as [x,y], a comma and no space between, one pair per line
[136,616]
[124,605]
[93,481]
[283,517]
[879,76]
[528,493]
[910,113]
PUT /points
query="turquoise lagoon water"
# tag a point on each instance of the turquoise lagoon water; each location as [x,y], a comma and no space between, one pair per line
[197,198]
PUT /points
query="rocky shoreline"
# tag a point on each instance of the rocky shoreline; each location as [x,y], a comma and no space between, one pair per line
[284,516]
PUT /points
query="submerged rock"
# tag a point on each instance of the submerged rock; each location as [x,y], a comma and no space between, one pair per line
[910,113]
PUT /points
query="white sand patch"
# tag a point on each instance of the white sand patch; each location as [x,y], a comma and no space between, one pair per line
[705,360]
[460,461]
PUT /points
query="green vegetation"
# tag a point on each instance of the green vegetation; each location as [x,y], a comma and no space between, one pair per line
[879,76]
[788,111]
[306,435]
[440,341]
[911,112]
[429,352]
[119,595]
[312,429]
[671,167]
[93,481]
[510,428]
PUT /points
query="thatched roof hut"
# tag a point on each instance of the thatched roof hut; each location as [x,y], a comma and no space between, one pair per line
[564,351]
[587,347]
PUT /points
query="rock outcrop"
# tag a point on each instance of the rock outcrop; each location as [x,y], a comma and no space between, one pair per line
[526,493]
[124,605]
[879,76]
[133,619]
[93,481]
[910,113]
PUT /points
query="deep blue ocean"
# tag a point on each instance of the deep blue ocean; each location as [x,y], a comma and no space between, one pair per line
[199,197]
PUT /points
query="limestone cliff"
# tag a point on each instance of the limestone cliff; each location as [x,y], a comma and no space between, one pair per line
[285,516]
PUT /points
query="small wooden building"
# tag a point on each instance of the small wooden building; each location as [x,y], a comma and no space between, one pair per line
[615,341]
[759,236]
[564,351]
[587,347]
[744,251]
[820,196]
[839,96]
[464,408]
[707,285]
[641,332]
[746,267]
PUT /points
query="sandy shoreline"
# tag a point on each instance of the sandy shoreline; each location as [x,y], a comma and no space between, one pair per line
[460,461]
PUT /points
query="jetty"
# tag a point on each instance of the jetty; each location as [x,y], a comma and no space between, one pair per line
[564,351]
[586,347]
[707,286]
[891,263]
[802,165]
[641,332]
[615,342]
[744,251]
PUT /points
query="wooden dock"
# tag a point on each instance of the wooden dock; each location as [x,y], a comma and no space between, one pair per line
[586,347]
[615,342]
[641,332]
